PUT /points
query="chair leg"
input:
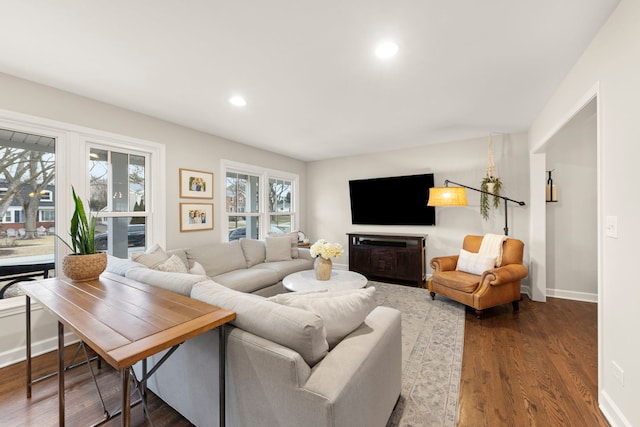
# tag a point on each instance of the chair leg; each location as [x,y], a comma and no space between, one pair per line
[479,314]
[433,295]
[516,306]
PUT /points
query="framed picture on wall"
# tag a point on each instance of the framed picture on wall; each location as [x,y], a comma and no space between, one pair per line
[196,216]
[196,184]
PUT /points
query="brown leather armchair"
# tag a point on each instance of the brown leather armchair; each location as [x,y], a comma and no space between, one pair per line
[494,287]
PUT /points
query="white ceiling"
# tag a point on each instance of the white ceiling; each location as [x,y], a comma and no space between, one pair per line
[306,68]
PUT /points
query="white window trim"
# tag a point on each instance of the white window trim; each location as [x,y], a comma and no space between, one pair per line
[72,148]
[264,213]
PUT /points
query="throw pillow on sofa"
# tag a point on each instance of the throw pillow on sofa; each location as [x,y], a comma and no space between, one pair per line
[293,236]
[173,265]
[254,251]
[278,249]
[341,311]
[152,257]
[291,327]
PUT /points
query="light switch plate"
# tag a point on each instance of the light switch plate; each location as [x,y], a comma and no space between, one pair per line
[612,226]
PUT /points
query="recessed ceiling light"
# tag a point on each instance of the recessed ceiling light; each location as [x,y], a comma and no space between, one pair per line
[386,50]
[238,101]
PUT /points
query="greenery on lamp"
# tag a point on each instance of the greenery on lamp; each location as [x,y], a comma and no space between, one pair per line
[491,184]
[82,230]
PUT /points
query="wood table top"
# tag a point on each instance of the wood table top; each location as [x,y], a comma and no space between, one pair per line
[125,321]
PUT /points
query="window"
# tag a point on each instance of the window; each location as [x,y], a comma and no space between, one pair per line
[46,196]
[47,215]
[280,204]
[266,200]
[117,182]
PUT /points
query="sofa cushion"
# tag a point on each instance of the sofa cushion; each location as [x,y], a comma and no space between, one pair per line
[218,258]
[474,263]
[293,236]
[254,251]
[180,253]
[120,266]
[174,265]
[180,283]
[341,311]
[278,249]
[247,280]
[284,268]
[458,280]
[152,257]
[294,328]
[197,268]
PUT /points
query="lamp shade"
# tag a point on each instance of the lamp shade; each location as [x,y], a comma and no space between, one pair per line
[447,196]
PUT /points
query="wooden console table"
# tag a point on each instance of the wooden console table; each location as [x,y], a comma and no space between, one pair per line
[394,257]
[124,322]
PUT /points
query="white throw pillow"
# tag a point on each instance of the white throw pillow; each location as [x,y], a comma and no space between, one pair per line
[153,256]
[197,268]
[278,249]
[294,241]
[341,311]
[473,263]
[174,265]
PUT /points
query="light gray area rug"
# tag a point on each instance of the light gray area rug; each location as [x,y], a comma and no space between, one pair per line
[432,341]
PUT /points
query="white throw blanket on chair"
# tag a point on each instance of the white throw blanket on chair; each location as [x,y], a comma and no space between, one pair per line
[491,246]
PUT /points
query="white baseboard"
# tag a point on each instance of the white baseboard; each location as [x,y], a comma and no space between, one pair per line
[572,295]
[611,411]
[19,354]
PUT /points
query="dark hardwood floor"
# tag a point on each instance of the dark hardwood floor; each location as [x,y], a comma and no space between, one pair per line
[534,368]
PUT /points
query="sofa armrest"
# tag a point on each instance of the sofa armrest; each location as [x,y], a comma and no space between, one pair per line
[444,263]
[505,274]
[305,253]
[356,384]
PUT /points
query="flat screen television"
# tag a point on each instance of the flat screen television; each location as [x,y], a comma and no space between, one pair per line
[397,200]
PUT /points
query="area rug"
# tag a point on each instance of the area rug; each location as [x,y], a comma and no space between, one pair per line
[432,340]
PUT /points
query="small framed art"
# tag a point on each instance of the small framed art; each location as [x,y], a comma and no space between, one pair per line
[196,216]
[196,184]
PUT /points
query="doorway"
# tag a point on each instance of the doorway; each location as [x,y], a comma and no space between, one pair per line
[571,230]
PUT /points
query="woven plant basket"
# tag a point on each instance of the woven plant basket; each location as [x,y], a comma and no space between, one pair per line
[82,268]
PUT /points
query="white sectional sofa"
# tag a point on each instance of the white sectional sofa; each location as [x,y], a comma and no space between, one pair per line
[280,369]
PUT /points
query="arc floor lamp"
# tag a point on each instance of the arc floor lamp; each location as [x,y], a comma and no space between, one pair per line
[457,196]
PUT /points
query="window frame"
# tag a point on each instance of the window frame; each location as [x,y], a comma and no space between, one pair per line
[72,149]
[263,214]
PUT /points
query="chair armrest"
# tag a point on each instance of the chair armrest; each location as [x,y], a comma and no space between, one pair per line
[444,263]
[505,274]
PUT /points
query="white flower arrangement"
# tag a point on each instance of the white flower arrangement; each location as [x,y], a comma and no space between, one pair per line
[325,249]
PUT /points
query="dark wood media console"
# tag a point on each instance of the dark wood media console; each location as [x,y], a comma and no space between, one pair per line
[397,258]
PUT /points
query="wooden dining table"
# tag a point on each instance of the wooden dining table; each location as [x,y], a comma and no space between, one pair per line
[124,322]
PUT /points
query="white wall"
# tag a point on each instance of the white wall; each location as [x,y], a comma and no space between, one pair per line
[185,148]
[329,214]
[572,244]
[613,62]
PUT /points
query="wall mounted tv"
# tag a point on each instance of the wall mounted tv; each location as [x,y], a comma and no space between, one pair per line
[397,200]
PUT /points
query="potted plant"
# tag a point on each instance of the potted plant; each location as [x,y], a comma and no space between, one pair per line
[491,183]
[84,263]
